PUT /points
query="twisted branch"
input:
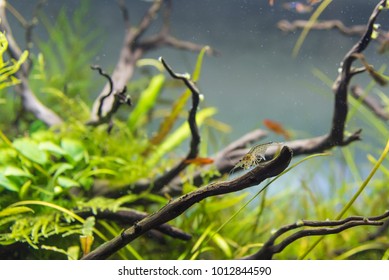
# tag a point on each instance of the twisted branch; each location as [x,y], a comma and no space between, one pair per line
[336,136]
[130,216]
[371,103]
[120,98]
[135,46]
[179,205]
[159,183]
[323,228]
[29,100]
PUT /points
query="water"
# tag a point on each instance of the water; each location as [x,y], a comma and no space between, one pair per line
[255,77]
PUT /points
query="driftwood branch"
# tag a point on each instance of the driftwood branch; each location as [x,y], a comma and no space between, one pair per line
[342,82]
[29,100]
[226,159]
[179,205]
[320,228]
[356,30]
[336,136]
[135,46]
[130,216]
[160,182]
[371,103]
[119,98]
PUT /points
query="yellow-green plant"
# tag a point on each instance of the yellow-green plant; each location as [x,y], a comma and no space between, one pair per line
[9,68]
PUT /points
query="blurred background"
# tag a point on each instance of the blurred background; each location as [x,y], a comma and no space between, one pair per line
[255,76]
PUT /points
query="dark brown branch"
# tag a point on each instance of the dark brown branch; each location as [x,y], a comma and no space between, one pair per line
[341,84]
[336,135]
[324,228]
[130,216]
[110,88]
[120,98]
[371,103]
[29,100]
[159,183]
[380,232]
[134,47]
[179,205]
[224,160]
[125,13]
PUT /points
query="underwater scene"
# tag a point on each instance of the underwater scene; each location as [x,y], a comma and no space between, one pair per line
[194,130]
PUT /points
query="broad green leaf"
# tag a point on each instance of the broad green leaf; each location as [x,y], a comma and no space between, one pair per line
[74,149]
[67,182]
[59,168]
[15,211]
[52,148]
[8,184]
[15,171]
[7,155]
[30,149]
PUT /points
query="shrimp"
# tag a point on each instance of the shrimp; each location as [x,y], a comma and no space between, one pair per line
[254,156]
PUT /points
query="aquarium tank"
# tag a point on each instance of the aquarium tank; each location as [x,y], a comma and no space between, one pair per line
[194,130]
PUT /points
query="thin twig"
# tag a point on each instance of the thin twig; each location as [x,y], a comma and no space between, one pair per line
[371,103]
[160,182]
[135,46]
[125,13]
[120,98]
[29,100]
[324,228]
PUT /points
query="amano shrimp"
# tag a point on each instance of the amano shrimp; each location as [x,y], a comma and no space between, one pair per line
[254,156]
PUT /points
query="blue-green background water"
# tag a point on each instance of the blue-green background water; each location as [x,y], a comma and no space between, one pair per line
[255,77]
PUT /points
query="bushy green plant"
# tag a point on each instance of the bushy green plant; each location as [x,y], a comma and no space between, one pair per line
[47,174]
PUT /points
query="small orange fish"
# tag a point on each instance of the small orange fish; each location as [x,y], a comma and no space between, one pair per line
[199,161]
[313,2]
[297,7]
[271,2]
[276,128]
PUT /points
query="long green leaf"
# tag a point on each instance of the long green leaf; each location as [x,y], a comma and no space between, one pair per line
[178,106]
[15,211]
[146,101]
[309,25]
[355,196]
[179,135]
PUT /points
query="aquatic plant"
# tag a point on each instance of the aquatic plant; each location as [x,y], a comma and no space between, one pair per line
[94,183]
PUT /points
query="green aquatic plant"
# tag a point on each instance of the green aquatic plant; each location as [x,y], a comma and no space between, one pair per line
[8,69]
[49,175]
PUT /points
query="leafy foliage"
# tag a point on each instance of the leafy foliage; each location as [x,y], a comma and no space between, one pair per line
[46,176]
[49,176]
[9,68]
